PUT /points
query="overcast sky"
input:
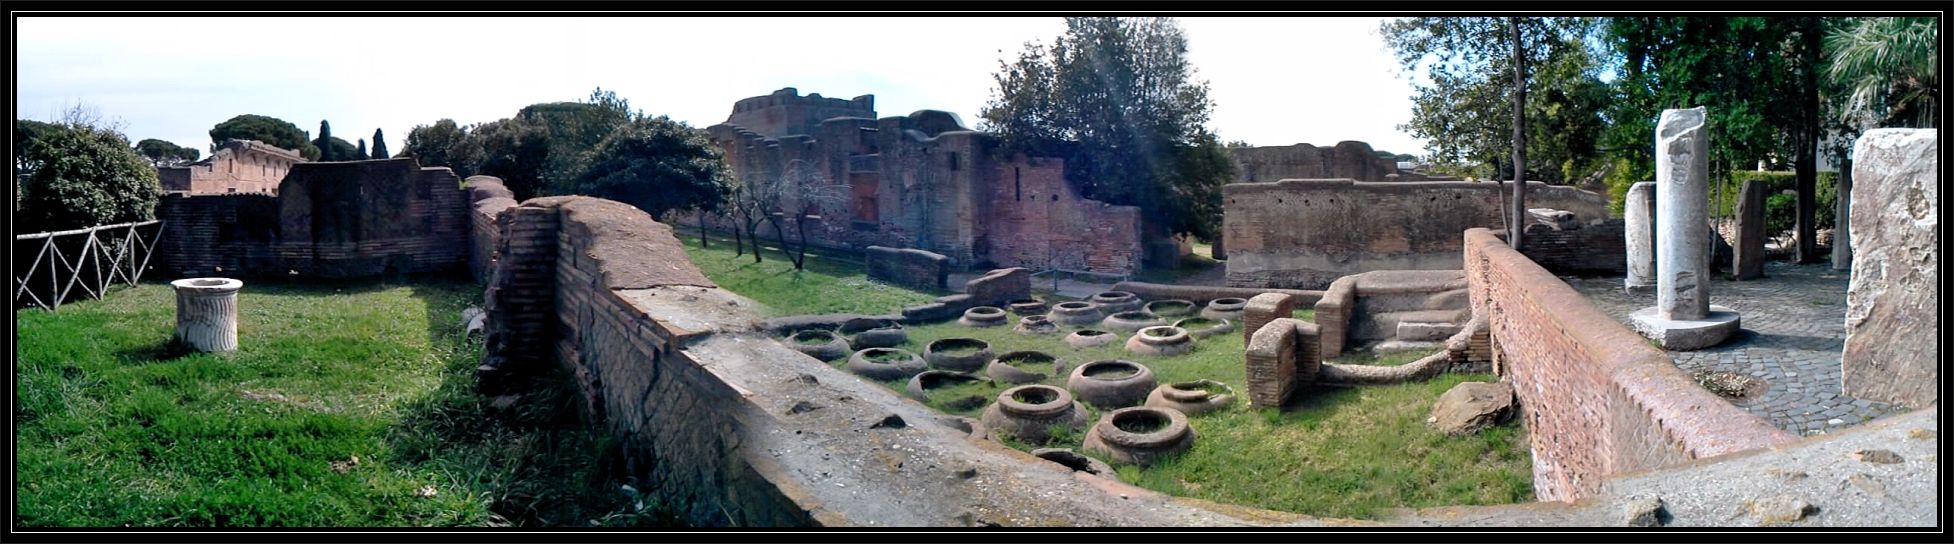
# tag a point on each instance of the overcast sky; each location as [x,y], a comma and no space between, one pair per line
[1275,81]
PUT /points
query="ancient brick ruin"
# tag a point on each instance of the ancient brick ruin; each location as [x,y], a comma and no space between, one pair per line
[1306,233]
[238,166]
[925,181]
[328,220]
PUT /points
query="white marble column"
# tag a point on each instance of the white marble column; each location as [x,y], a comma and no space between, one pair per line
[206,313]
[1682,318]
[1638,214]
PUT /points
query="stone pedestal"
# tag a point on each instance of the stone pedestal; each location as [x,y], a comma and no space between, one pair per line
[206,313]
[1748,264]
[1638,215]
[1681,318]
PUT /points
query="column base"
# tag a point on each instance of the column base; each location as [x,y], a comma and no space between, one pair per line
[1687,334]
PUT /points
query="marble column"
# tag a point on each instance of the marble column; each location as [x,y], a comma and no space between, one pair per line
[1682,318]
[206,313]
[1639,215]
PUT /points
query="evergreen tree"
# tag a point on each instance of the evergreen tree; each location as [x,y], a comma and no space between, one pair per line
[379,145]
[362,149]
[325,142]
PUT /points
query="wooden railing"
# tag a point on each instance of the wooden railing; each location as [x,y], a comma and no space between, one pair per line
[74,258]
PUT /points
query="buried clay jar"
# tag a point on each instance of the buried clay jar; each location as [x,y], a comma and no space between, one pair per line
[1029,412]
[886,364]
[1112,302]
[882,334]
[1225,308]
[818,344]
[1130,322]
[922,384]
[983,316]
[1170,308]
[1160,341]
[1076,314]
[1111,383]
[1027,306]
[1140,435]
[1203,327]
[959,354]
[1090,338]
[1192,398]
[1019,367]
[1035,324]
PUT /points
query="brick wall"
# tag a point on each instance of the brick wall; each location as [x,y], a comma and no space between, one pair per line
[1597,398]
[1036,220]
[1304,234]
[331,220]
[909,267]
[1590,249]
[487,198]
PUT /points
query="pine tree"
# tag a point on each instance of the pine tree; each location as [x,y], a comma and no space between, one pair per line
[325,142]
[379,145]
[362,151]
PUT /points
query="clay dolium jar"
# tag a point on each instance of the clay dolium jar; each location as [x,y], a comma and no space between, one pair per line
[1112,302]
[959,354]
[1076,314]
[1111,383]
[886,364]
[1140,435]
[1161,341]
[819,344]
[1029,412]
[1090,338]
[1225,308]
[1192,398]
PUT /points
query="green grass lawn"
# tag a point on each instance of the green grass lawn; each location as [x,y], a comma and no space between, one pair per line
[345,405]
[830,284]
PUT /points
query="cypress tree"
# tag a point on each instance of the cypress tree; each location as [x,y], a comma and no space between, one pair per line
[379,145]
[362,151]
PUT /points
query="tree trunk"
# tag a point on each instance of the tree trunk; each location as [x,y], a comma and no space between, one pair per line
[780,235]
[702,229]
[800,250]
[1515,231]
[1807,153]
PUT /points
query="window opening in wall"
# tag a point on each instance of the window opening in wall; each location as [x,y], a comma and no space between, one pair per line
[953,161]
[1017,181]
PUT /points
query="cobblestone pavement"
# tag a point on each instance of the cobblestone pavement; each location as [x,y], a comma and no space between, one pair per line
[1793,333]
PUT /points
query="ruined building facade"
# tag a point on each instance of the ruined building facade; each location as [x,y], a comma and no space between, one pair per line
[924,181]
[238,166]
[1351,160]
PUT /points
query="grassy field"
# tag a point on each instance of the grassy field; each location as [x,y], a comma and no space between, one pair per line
[346,405]
[831,283]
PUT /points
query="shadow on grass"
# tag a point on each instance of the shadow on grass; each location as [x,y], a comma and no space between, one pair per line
[531,454]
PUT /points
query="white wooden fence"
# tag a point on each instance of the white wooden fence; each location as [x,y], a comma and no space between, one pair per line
[74,258]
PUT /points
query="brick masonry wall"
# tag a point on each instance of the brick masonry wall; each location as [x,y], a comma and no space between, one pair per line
[1598,399]
[1304,234]
[1036,220]
[330,220]
[1592,249]
[487,198]
[909,267]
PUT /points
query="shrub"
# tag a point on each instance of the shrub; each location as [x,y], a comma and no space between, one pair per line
[88,176]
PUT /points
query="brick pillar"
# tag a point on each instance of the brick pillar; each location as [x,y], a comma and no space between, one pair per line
[1263,308]
[1333,314]
[521,298]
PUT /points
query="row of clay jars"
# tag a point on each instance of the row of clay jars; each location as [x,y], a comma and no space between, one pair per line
[1030,413]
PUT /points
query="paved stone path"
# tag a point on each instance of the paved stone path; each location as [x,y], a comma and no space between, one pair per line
[1793,333]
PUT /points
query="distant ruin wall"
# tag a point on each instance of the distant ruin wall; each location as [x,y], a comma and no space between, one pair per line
[1346,160]
[1304,234]
[1598,400]
[786,112]
[1036,220]
[328,220]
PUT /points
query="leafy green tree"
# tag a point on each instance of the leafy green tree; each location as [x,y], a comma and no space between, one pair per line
[87,176]
[379,145]
[163,153]
[1889,67]
[515,151]
[1757,76]
[269,130]
[29,146]
[445,143]
[656,164]
[1117,98]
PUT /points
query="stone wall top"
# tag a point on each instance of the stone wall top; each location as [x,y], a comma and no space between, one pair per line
[632,250]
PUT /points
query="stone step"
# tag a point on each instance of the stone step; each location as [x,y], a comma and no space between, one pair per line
[1426,331]
[1401,346]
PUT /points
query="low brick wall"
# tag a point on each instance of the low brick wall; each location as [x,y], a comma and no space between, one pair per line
[909,267]
[487,199]
[1597,398]
[1588,250]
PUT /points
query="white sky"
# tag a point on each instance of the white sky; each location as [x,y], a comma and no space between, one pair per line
[1275,81]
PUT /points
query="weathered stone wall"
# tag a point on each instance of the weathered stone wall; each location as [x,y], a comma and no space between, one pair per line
[924,181]
[1892,314]
[330,220]
[1598,400]
[1585,250]
[1348,159]
[1201,294]
[1304,234]
[238,166]
[909,267]
[786,112]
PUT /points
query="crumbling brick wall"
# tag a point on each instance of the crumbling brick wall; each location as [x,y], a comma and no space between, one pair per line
[1589,249]
[330,220]
[1304,234]
[909,267]
[487,198]
[1348,159]
[1597,398]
